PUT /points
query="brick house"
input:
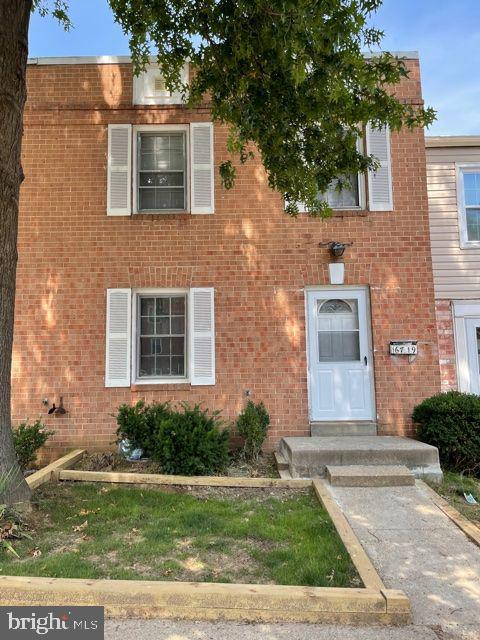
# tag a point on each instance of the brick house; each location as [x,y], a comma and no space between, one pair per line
[139,276]
[453,170]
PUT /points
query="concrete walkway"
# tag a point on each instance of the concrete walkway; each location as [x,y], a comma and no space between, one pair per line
[414,547]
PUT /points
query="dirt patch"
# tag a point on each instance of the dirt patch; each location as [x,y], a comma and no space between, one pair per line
[264,467]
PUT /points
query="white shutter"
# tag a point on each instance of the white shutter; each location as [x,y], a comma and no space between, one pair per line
[118,337]
[201,167]
[202,336]
[119,180]
[380,181]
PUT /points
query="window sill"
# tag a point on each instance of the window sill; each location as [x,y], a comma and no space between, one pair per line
[469,245]
[152,385]
[350,213]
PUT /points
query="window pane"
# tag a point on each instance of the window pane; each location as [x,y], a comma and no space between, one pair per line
[347,198]
[177,346]
[170,179]
[178,366]
[163,326]
[147,306]
[147,326]
[471,182]
[178,325]
[147,366]
[162,366]
[162,346]
[147,346]
[162,306]
[473,224]
[178,306]
[146,199]
[338,346]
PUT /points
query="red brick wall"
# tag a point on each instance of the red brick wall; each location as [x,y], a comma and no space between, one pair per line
[258,260]
[446,345]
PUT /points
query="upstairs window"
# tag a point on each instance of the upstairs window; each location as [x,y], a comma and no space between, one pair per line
[162,169]
[469,204]
[346,198]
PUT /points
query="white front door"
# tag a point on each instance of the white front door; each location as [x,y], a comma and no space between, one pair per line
[339,355]
[472,328]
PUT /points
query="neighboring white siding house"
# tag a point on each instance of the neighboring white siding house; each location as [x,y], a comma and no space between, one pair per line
[453,174]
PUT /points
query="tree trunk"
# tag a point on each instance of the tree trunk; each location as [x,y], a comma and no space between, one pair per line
[14,21]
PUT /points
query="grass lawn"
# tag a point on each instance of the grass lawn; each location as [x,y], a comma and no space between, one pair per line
[452,489]
[202,534]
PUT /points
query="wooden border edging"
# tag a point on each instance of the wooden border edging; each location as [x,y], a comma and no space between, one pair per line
[207,601]
[45,475]
[469,528]
[362,562]
[199,481]
[214,601]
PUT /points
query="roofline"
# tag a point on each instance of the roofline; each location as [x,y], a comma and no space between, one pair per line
[408,55]
[452,141]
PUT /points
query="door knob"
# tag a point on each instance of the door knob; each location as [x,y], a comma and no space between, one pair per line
[365,360]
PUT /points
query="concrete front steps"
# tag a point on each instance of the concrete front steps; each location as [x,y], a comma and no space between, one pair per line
[308,457]
[377,475]
[329,429]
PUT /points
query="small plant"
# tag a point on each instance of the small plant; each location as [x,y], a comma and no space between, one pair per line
[192,442]
[27,439]
[451,422]
[252,425]
[11,528]
[139,423]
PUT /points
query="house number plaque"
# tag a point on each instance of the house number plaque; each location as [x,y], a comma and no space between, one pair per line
[403,348]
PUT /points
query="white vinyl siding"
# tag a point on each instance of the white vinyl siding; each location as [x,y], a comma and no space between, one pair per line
[202,169]
[118,338]
[380,181]
[149,87]
[202,336]
[119,170]
[456,268]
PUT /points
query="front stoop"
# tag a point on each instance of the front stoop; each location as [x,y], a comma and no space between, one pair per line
[370,476]
[329,429]
[308,457]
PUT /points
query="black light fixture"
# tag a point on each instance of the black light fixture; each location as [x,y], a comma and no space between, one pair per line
[337,249]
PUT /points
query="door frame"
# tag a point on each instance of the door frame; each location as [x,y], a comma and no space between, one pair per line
[343,292]
[463,310]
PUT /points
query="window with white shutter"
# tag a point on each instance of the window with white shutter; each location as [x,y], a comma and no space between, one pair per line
[202,336]
[118,342]
[119,172]
[202,169]
[380,182]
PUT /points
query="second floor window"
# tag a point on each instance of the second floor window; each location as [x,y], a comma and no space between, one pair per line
[161,167]
[347,198]
[469,204]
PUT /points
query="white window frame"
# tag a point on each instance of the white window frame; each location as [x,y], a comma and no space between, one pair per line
[160,128]
[136,295]
[461,169]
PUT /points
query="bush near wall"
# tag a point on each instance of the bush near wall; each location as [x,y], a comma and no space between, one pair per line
[451,422]
[185,441]
[28,439]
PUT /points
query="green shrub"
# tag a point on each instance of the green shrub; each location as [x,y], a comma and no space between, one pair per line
[252,425]
[191,442]
[28,438]
[138,424]
[451,422]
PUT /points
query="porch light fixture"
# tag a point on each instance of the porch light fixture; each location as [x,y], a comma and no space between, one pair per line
[337,249]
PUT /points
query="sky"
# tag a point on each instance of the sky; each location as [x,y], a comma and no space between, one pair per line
[445,32]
